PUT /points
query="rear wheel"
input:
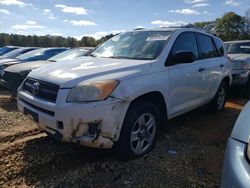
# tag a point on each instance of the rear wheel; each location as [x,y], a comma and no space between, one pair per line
[220,98]
[139,131]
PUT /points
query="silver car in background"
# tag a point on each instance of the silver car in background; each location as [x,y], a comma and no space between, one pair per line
[239,53]
[236,168]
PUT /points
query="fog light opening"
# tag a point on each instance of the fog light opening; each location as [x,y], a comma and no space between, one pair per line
[60,125]
[93,128]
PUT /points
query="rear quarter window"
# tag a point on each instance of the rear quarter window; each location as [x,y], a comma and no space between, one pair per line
[206,47]
[219,46]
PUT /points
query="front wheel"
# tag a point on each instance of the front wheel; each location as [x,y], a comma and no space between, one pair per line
[220,98]
[139,131]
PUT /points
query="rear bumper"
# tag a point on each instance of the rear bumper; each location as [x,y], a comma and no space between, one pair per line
[236,169]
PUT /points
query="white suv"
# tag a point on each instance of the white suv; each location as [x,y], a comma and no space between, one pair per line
[127,88]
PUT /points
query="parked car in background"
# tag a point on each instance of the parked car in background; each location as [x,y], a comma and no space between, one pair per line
[236,167]
[124,92]
[17,52]
[7,49]
[239,52]
[35,55]
[13,76]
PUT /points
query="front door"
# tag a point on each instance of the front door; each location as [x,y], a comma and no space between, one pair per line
[186,79]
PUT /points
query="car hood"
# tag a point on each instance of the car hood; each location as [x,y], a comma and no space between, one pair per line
[70,73]
[26,66]
[241,130]
[6,60]
[240,57]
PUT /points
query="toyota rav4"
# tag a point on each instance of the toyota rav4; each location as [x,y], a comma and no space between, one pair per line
[125,90]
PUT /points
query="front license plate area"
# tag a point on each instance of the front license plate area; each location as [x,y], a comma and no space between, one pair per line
[31,114]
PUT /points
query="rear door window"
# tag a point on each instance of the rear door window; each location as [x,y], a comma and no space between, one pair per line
[206,47]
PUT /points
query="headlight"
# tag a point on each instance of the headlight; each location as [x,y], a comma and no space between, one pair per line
[94,91]
[244,65]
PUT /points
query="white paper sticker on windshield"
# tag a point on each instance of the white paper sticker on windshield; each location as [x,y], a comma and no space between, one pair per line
[248,47]
[157,38]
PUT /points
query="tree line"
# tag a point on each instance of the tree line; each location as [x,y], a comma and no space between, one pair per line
[49,41]
[230,26]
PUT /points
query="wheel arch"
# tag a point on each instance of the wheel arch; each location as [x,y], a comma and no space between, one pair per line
[156,98]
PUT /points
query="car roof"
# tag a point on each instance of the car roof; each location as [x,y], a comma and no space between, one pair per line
[182,28]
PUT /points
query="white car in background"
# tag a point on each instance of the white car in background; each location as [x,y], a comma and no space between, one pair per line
[239,52]
[126,89]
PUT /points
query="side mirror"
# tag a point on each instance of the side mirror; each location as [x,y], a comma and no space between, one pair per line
[183,57]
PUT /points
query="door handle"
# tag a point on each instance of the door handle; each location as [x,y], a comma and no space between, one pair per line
[201,69]
[222,65]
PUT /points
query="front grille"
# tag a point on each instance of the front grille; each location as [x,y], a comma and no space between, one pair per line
[39,109]
[41,89]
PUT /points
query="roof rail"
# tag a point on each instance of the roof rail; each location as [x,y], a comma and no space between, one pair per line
[191,26]
[140,28]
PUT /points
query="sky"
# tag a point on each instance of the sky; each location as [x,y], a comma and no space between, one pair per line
[97,18]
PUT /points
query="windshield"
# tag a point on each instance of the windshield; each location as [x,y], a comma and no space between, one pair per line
[13,53]
[5,50]
[69,54]
[17,52]
[238,48]
[134,45]
[31,54]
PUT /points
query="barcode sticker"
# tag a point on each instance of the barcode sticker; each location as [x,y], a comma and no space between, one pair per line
[157,38]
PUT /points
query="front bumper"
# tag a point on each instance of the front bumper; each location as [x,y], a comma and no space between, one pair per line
[95,124]
[240,77]
[236,169]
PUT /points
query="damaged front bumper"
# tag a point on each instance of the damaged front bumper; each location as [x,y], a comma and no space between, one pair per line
[95,124]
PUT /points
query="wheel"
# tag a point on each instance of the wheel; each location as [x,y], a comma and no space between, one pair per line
[219,101]
[139,131]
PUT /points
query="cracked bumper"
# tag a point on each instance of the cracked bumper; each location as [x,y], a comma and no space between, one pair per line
[91,124]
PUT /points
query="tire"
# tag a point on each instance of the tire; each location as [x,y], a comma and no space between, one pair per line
[139,131]
[219,101]
[247,89]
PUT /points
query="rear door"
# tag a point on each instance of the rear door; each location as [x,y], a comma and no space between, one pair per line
[186,79]
[213,65]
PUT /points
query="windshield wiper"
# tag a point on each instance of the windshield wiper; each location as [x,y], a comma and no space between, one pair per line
[133,58]
[92,55]
[116,57]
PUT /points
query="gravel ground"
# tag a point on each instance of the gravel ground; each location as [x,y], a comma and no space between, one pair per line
[189,155]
